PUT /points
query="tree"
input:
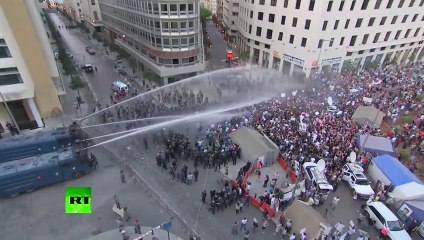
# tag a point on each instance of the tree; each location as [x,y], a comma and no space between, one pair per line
[123,54]
[204,14]
[244,55]
[148,74]
[76,84]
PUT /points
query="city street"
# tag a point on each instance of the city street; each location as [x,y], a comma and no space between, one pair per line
[41,215]
[100,82]
[217,53]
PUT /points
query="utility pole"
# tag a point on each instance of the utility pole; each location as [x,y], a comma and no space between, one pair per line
[9,112]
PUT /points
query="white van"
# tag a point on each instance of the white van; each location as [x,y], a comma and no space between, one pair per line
[316,177]
[382,217]
[354,176]
[118,86]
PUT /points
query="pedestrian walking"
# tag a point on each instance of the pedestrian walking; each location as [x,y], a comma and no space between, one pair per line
[243,224]
[95,68]
[123,177]
[278,228]
[335,201]
[196,174]
[255,224]
[126,215]
[266,181]
[137,227]
[264,224]
[241,207]
[235,228]
[118,205]
[125,236]
[325,213]
[350,232]
[204,194]
[246,235]
[237,208]
[120,225]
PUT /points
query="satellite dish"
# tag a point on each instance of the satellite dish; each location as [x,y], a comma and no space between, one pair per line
[330,101]
[352,157]
[321,165]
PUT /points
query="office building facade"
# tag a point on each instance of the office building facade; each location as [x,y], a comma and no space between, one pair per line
[28,70]
[306,36]
[164,36]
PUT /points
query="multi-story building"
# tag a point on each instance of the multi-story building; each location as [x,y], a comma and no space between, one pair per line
[28,70]
[74,9]
[91,14]
[165,36]
[220,10]
[311,35]
[231,17]
[213,5]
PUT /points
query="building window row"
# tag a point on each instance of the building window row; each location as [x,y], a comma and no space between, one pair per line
[331,5]
[176,42]
[4,50]
[156,8]
[371,21]
[165,26]
[9,76]
[161,61]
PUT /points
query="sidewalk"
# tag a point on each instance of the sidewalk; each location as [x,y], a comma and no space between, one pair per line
[114,234]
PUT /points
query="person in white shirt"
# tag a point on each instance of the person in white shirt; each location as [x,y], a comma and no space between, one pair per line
[293,236]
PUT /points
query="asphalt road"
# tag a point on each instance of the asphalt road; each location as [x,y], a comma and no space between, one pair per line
[217,53]
[41,215]
[100,82]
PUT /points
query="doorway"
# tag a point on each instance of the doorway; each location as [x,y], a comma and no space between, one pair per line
[19,113]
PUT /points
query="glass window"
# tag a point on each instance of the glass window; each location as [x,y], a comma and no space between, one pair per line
[166,42]
[184,42]
[280,36]
[307,24]
[183,25]
[329,6]
[298,2]
[10,79]
[269,34]
[191,24]
[352,40]
[291,40]
[165,25]
[175,61]
[324,25]
[174,26]
[358,23]
[155,8]
[304,40]
[271,17]
[311,5]
[258,31]
[4,52]
[183,7]
[394,19]
[164,8]
[260,15]
[190,8]
[283,20]
[294,23]
[383,20]
[191,41]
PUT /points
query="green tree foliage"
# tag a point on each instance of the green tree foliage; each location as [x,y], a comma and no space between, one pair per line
[205,14]
[148,74]
[76,83]
[244,55]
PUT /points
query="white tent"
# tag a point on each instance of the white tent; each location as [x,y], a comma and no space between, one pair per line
[409,191]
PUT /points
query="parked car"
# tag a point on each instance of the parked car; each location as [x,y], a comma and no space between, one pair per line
[382,217]
[354,176]
[90,50]
[118,87]
[87,68]
[122,72]
[316,177]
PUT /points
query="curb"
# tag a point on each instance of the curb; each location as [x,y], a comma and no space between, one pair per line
[115,234]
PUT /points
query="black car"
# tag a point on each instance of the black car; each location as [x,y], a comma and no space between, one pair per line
[122,72]
[87,68]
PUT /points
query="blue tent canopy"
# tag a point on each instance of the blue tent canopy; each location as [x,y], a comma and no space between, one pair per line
[380,145]
[395,171]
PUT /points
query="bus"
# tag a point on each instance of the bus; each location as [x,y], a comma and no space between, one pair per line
[30,173]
